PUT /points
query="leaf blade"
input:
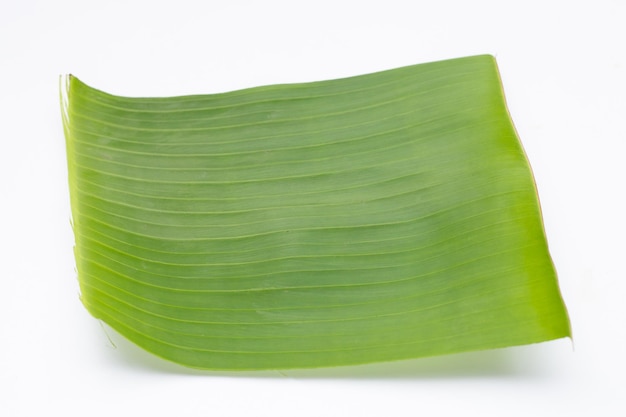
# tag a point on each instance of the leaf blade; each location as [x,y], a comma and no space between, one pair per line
[380,217]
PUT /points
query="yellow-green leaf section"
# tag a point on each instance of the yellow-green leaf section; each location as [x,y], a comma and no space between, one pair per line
[380,217]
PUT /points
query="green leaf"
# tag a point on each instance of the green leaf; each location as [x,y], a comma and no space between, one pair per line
[380,217]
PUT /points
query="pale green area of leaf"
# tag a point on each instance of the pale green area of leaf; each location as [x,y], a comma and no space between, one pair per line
[373,218]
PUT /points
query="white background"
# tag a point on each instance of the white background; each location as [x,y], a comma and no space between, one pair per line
[563,68]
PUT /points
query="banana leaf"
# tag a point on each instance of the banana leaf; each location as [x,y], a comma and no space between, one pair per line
[379,217]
